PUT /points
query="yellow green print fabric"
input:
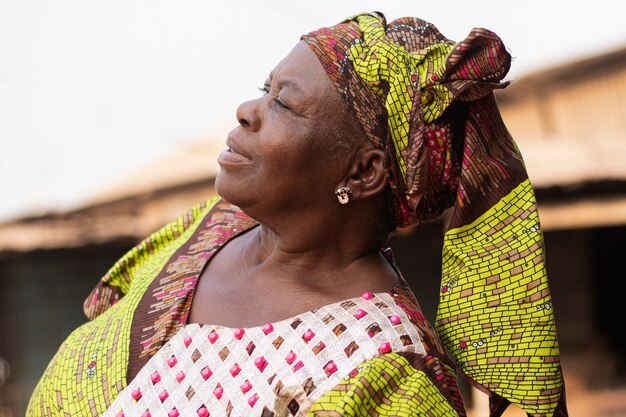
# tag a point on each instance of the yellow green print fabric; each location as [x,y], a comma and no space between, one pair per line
[403,81]
[89,370]
[495,309]
[389,385]
[404,74]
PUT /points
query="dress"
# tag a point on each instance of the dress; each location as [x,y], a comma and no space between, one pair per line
[138,354]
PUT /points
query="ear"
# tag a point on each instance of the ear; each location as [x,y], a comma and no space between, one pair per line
[367,176]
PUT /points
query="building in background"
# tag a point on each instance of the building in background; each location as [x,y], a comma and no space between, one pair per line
[570,123]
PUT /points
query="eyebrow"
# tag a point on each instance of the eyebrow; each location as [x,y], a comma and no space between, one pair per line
[289,83]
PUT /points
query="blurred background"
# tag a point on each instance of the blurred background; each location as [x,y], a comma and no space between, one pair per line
[112,115]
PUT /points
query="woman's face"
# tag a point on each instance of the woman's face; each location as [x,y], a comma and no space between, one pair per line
[283,156]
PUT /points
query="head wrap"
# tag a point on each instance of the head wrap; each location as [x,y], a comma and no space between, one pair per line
[428,103]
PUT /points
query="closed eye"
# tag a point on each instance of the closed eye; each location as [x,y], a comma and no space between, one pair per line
[280,103]
[276,100]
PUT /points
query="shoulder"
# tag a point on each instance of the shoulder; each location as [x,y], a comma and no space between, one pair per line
[405,299]
[406,371]
[214,219]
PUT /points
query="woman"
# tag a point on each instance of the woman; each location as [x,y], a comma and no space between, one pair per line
[277,300]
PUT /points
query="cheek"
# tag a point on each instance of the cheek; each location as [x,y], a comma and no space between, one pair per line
[287,146]
[300,154]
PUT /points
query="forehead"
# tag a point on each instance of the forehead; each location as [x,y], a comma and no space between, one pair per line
[301,70]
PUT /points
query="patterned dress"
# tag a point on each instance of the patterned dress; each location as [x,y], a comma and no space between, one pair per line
[375,354]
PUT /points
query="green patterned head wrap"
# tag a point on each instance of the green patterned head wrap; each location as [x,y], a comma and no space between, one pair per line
[399,80]
[428,103]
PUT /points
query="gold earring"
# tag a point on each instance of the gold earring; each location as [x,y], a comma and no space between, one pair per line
[343,195]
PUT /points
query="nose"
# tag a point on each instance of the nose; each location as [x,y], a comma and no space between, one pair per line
[248,114]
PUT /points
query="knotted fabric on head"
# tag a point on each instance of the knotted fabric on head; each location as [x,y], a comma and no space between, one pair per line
[428,103]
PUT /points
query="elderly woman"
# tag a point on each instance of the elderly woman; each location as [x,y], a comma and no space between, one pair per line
[278,300]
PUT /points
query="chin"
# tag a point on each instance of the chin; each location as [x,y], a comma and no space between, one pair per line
[231,191]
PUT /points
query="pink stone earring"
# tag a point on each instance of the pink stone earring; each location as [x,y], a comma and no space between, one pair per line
[343,195]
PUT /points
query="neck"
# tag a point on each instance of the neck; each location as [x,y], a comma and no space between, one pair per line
[321,250]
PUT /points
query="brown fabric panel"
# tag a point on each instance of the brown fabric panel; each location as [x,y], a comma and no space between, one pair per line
[490,170]
[158,317]
[100,299]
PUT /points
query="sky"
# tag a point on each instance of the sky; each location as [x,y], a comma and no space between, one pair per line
[91,91]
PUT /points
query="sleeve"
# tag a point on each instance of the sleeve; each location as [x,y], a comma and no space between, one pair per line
[117,281]
[394,384]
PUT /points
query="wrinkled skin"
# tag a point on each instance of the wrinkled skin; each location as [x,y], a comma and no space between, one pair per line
[282,168]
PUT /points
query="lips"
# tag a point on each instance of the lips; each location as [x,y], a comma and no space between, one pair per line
[233,154]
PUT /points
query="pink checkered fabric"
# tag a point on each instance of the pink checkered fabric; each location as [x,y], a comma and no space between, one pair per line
[277,369]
